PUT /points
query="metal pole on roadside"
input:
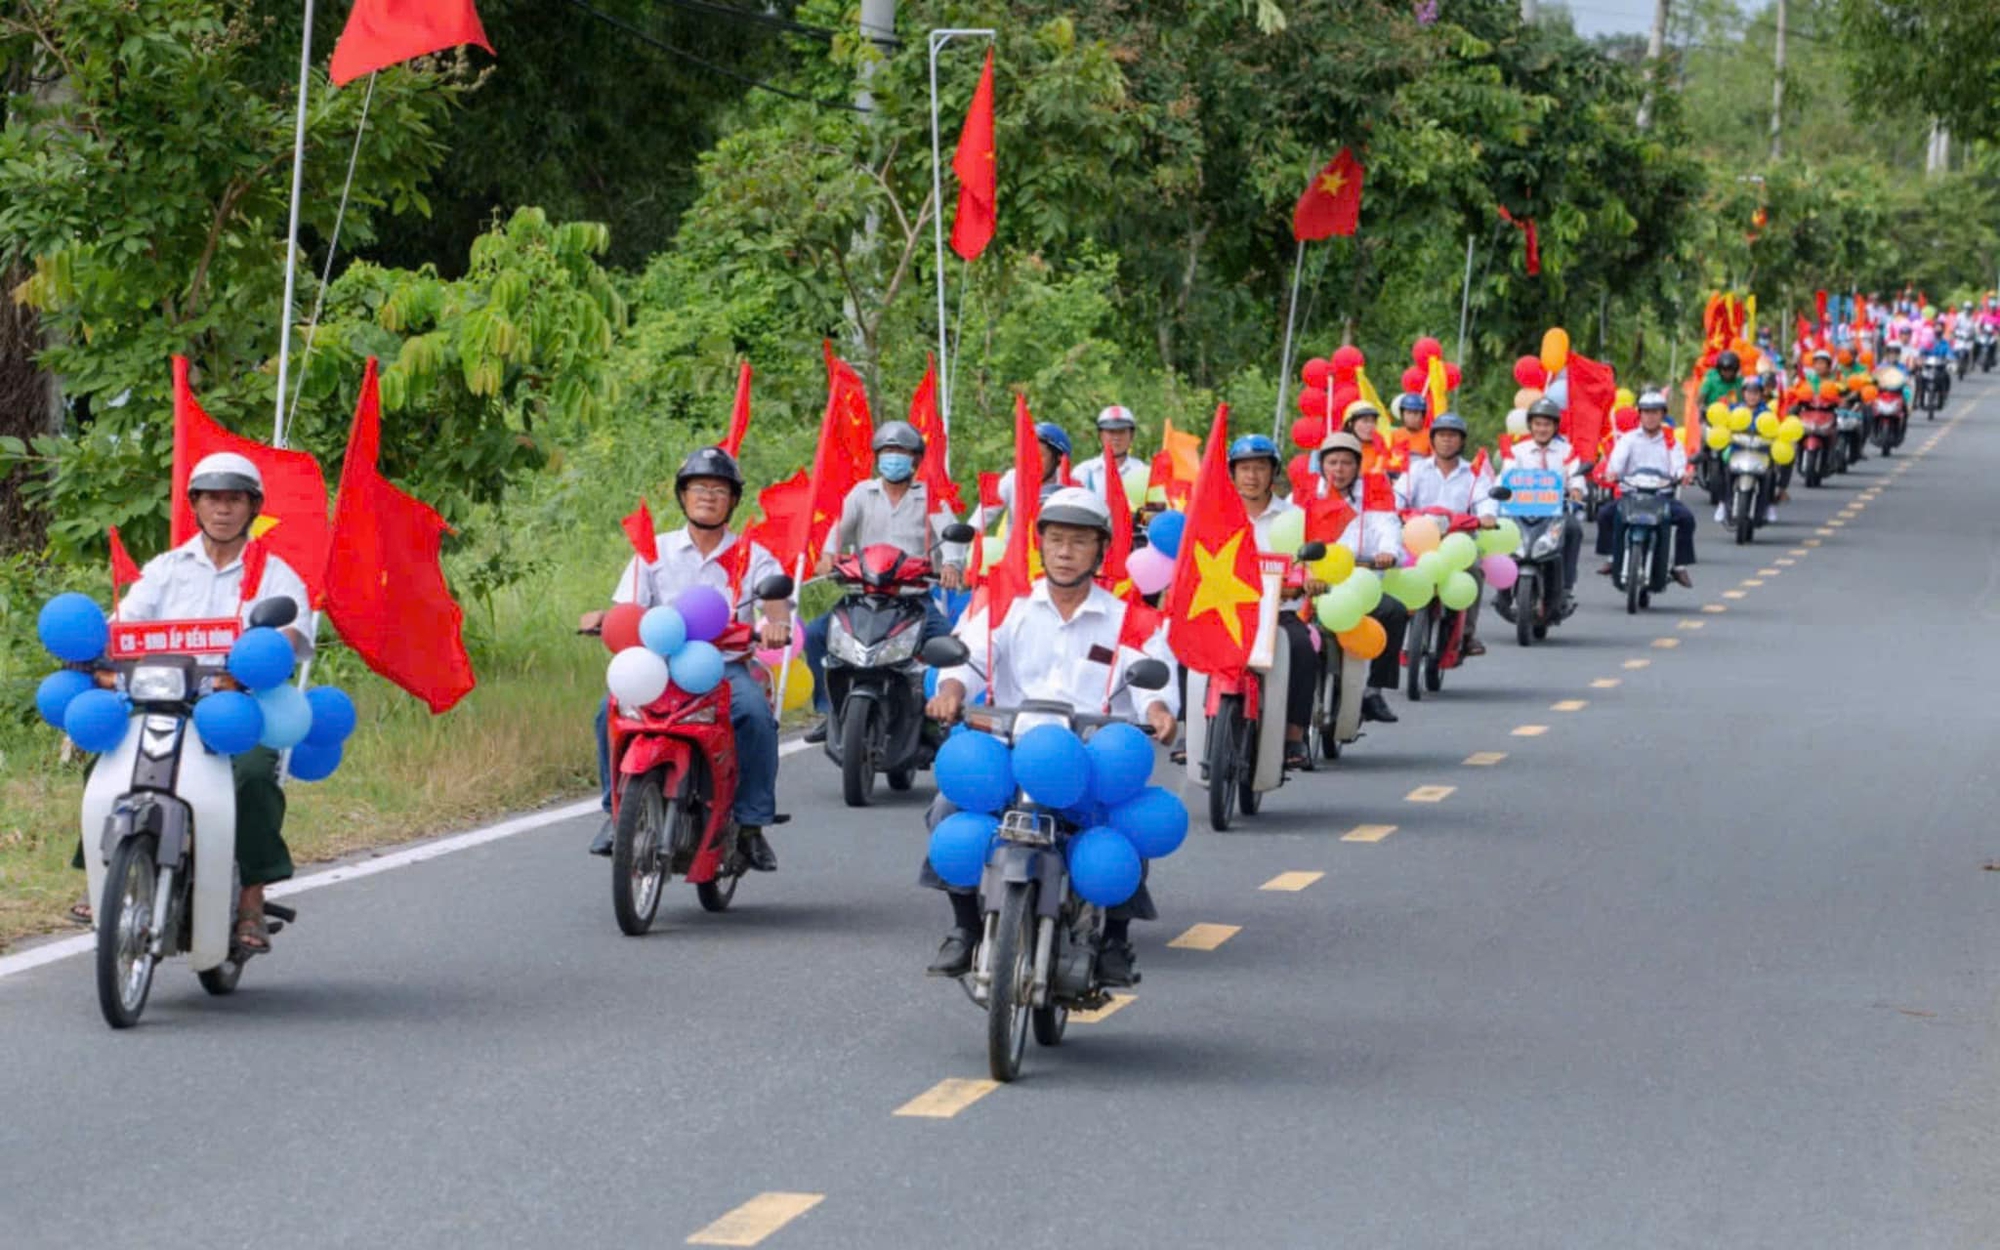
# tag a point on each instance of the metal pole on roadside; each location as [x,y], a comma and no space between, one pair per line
[1285,357]
[292,235]
[938,39]
[1465,302]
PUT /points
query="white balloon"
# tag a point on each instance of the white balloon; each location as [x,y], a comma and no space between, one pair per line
[1517,420]
[636,677]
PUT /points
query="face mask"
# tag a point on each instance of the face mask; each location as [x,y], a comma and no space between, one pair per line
[895,466]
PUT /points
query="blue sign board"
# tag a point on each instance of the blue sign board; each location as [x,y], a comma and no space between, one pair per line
[1537,492]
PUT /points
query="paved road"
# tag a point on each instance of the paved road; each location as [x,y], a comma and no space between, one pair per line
[1707,960]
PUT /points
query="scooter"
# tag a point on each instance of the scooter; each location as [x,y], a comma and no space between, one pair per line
[1817,452]
[1037,956]
[1961,349]
[1986,346]
[673,803]
[1537,502]
[159,825]
[1851,435]
[1750,477]
[874,681]
[1436,638]
[1235,749]
[1933,386]
[1890,420]
[1336,717]
[1644,562]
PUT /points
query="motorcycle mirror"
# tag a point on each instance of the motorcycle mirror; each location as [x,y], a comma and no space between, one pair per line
[274,613]
[959,532]
[1501,493]
[944,651]
[1311,552]
[1148,675]
[776,586]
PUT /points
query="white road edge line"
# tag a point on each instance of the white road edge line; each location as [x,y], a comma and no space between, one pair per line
[50,952]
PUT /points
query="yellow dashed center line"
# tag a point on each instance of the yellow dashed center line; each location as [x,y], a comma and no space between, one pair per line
[1785,562]
[1826,531]
[1289,881]
[1205,937]
[947,1098]
[1768,572]
[1429,794]
[1530,731]
[1637,663]
[1605,683]
[1689,623]
[1809,542]
[1734,594]
[1714,609]
[1569,705]
[1485,759]
[751,1223]
[1367,833]
[1750,581]
[1117,1004]
[1666,644]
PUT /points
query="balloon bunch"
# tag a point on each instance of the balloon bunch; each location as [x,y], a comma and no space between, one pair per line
[1151,567]
[1101,786]
[1783,433]
[1440,566]
[1543,376]
[1343,611]
[1422,352]
[1329,386]
[269,711]
[673,642]
[788,666]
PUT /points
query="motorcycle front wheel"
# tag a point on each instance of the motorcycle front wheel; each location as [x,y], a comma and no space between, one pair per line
[1745,516]
[125,925]
[1638,570]
[1418,642]
[638,868]
[1007,998]
[1222,763]
[1527,605]
[857,752]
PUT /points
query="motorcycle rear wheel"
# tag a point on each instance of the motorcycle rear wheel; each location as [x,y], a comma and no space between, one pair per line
[638,873]
[220,980]
[1418,642]
[1049,1024]
[901,779]
[1222,763]
[1527,606]
[857,752]
[1007,998]
[125,925]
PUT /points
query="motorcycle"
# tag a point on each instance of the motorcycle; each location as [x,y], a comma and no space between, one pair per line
[1537,501]
[1820,450]
[162,808]
[874,682]
[1986,345]
[1851,435]
[1234,750]
[1961,349]
[1645,559]
[1037,956]
[673,804]
[1891,419]
[1436,638]
[1933,386]
[1750,472]
[1336,717]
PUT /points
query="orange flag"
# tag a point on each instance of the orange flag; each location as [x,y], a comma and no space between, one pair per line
[978,195]
[1212,606]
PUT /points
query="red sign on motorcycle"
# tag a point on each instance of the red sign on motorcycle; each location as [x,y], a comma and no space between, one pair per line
[133,640]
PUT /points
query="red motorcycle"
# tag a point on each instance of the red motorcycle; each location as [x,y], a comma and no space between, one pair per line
[1436,639]
[1818,457]
[674,797]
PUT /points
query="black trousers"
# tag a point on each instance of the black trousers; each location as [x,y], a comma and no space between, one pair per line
[1385,670]
[1610,532]
[1305,668]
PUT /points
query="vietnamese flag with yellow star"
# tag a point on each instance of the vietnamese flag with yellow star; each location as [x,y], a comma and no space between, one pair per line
[1331,203]
[1218,583]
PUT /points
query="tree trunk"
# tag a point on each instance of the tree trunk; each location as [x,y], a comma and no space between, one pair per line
[26,403]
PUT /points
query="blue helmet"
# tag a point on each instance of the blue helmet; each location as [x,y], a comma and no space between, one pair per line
[1254,447]
[1447,421]
[1409,401]
[1052,434]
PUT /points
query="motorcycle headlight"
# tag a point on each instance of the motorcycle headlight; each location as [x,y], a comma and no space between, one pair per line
[1546,543]
[156,683]
[1749,462]
[896,650]
[842,645]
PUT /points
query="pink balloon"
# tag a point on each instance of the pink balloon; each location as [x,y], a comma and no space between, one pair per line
[1150,569]
[1501,571]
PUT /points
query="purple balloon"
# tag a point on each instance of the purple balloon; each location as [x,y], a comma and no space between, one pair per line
[705,610]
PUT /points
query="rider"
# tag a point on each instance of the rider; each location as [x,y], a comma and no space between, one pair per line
[1411,440]
[894,508]
[1065,640]
[1546,449]
[1253,468]
[1053,444]
[708,488]
[1115,426]
[1444,480]
[1723,382]
[1363,420]
[1375,536]
[203,579]
[1648,447]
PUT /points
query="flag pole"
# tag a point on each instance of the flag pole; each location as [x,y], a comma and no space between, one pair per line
[292,234]
[785,667]
[1285,358]
[1465,302]
[938,39]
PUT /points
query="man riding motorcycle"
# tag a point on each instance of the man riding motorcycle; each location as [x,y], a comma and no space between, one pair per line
[1115,426]
[1723,382]
[1411,440]
[1375,536]
[890,508]
[1063,641]
[202,579]
[1546,449]
[1253,469]
[1053,444]
[1648,447]
[1444,480]
[705,553]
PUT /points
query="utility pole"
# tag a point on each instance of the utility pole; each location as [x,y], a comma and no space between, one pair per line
[1531,12]
[1937,156]
[1778,89]
[1656,47]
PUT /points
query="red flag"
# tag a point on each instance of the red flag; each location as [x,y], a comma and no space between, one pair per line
[1303,474]
[385,591]
[978,196]
[1531,242]
[739,417]
[1218,584]
[1479,463]
[840,463]
[381,33]
[1327,518]
[1113,571]
[1140,624]
[787,508]
[1331,203]
[255,556]
[1593,388]
[935,470]
[1378,493]
[124,570]
[639,529]
[1013,577]
[293,520]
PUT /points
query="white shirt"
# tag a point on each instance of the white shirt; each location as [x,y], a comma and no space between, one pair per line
[1369,534]
[681,565]
[1131,471]
[1460,491]
[184,585]
[867,517]
[1263,521]
[1635,449]
[1039,655]
[1528,454]
[1007,496]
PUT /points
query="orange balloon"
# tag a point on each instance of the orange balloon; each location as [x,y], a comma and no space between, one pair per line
[1526,396]
[1366,640]
[1421,535]
[1555,349]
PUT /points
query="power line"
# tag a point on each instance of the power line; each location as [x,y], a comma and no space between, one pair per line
[656,42]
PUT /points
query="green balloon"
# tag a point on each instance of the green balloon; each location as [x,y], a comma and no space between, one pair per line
[1288,532]
[1460,551]
[1458,591]
[1339,610]
[1506,537]
[1411,588]
[1366,587]
[1431,566]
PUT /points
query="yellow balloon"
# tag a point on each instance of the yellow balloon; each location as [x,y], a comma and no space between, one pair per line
[1739,420]
[1421,535]
[1625,398]
[1718,413]
[1791,429]
[1333,567]
[1784,453]
[1718,436]
[798,681]
[1767,425]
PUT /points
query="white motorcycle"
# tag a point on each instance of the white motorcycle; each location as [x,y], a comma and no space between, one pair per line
[159,835]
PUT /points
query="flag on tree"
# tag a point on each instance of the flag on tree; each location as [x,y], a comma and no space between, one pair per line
[1331,203]
[292,521]
[934,471]
[1213,604]
[385,589]
[381,33]
[739,416]
[978,193]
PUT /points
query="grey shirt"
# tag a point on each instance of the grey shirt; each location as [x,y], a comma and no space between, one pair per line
[867,517]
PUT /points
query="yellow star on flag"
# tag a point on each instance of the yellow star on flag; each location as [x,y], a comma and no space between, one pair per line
[264,524]
[1331,182]
[1218,589]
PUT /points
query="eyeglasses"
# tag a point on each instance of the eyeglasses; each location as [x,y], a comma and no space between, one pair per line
[709,490]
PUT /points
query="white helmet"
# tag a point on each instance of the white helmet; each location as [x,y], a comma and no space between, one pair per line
[225,470]
[1073,505]
[1116,417]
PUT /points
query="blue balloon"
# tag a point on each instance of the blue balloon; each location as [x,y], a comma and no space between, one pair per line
[57,689]
[1121,763]
[261,659]
[974,772]
[96,720]
[314,761]
[930,683]
[1164,531]
[287,717]
[1103,867]
[664,631]
[959,845]
[333,716]
[73,628]
[229,722]
[1156,822]
[696,668]
[1052,766]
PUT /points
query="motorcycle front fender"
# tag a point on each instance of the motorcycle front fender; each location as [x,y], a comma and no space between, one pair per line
[862,688]
[656,750]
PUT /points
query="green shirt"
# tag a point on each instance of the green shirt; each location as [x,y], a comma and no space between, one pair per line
[1715,390]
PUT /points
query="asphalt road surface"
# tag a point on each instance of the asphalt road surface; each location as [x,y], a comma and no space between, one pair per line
[1681,934]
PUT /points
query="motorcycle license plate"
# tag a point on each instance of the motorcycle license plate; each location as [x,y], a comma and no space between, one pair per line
[1749,462]
[1028,828]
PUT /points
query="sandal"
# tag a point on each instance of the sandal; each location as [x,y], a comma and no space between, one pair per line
[82,914]
[253,936]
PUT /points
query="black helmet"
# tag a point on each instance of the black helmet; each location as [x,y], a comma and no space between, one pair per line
[1729,362]
[898,436]
[710,462]
[1545,407]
